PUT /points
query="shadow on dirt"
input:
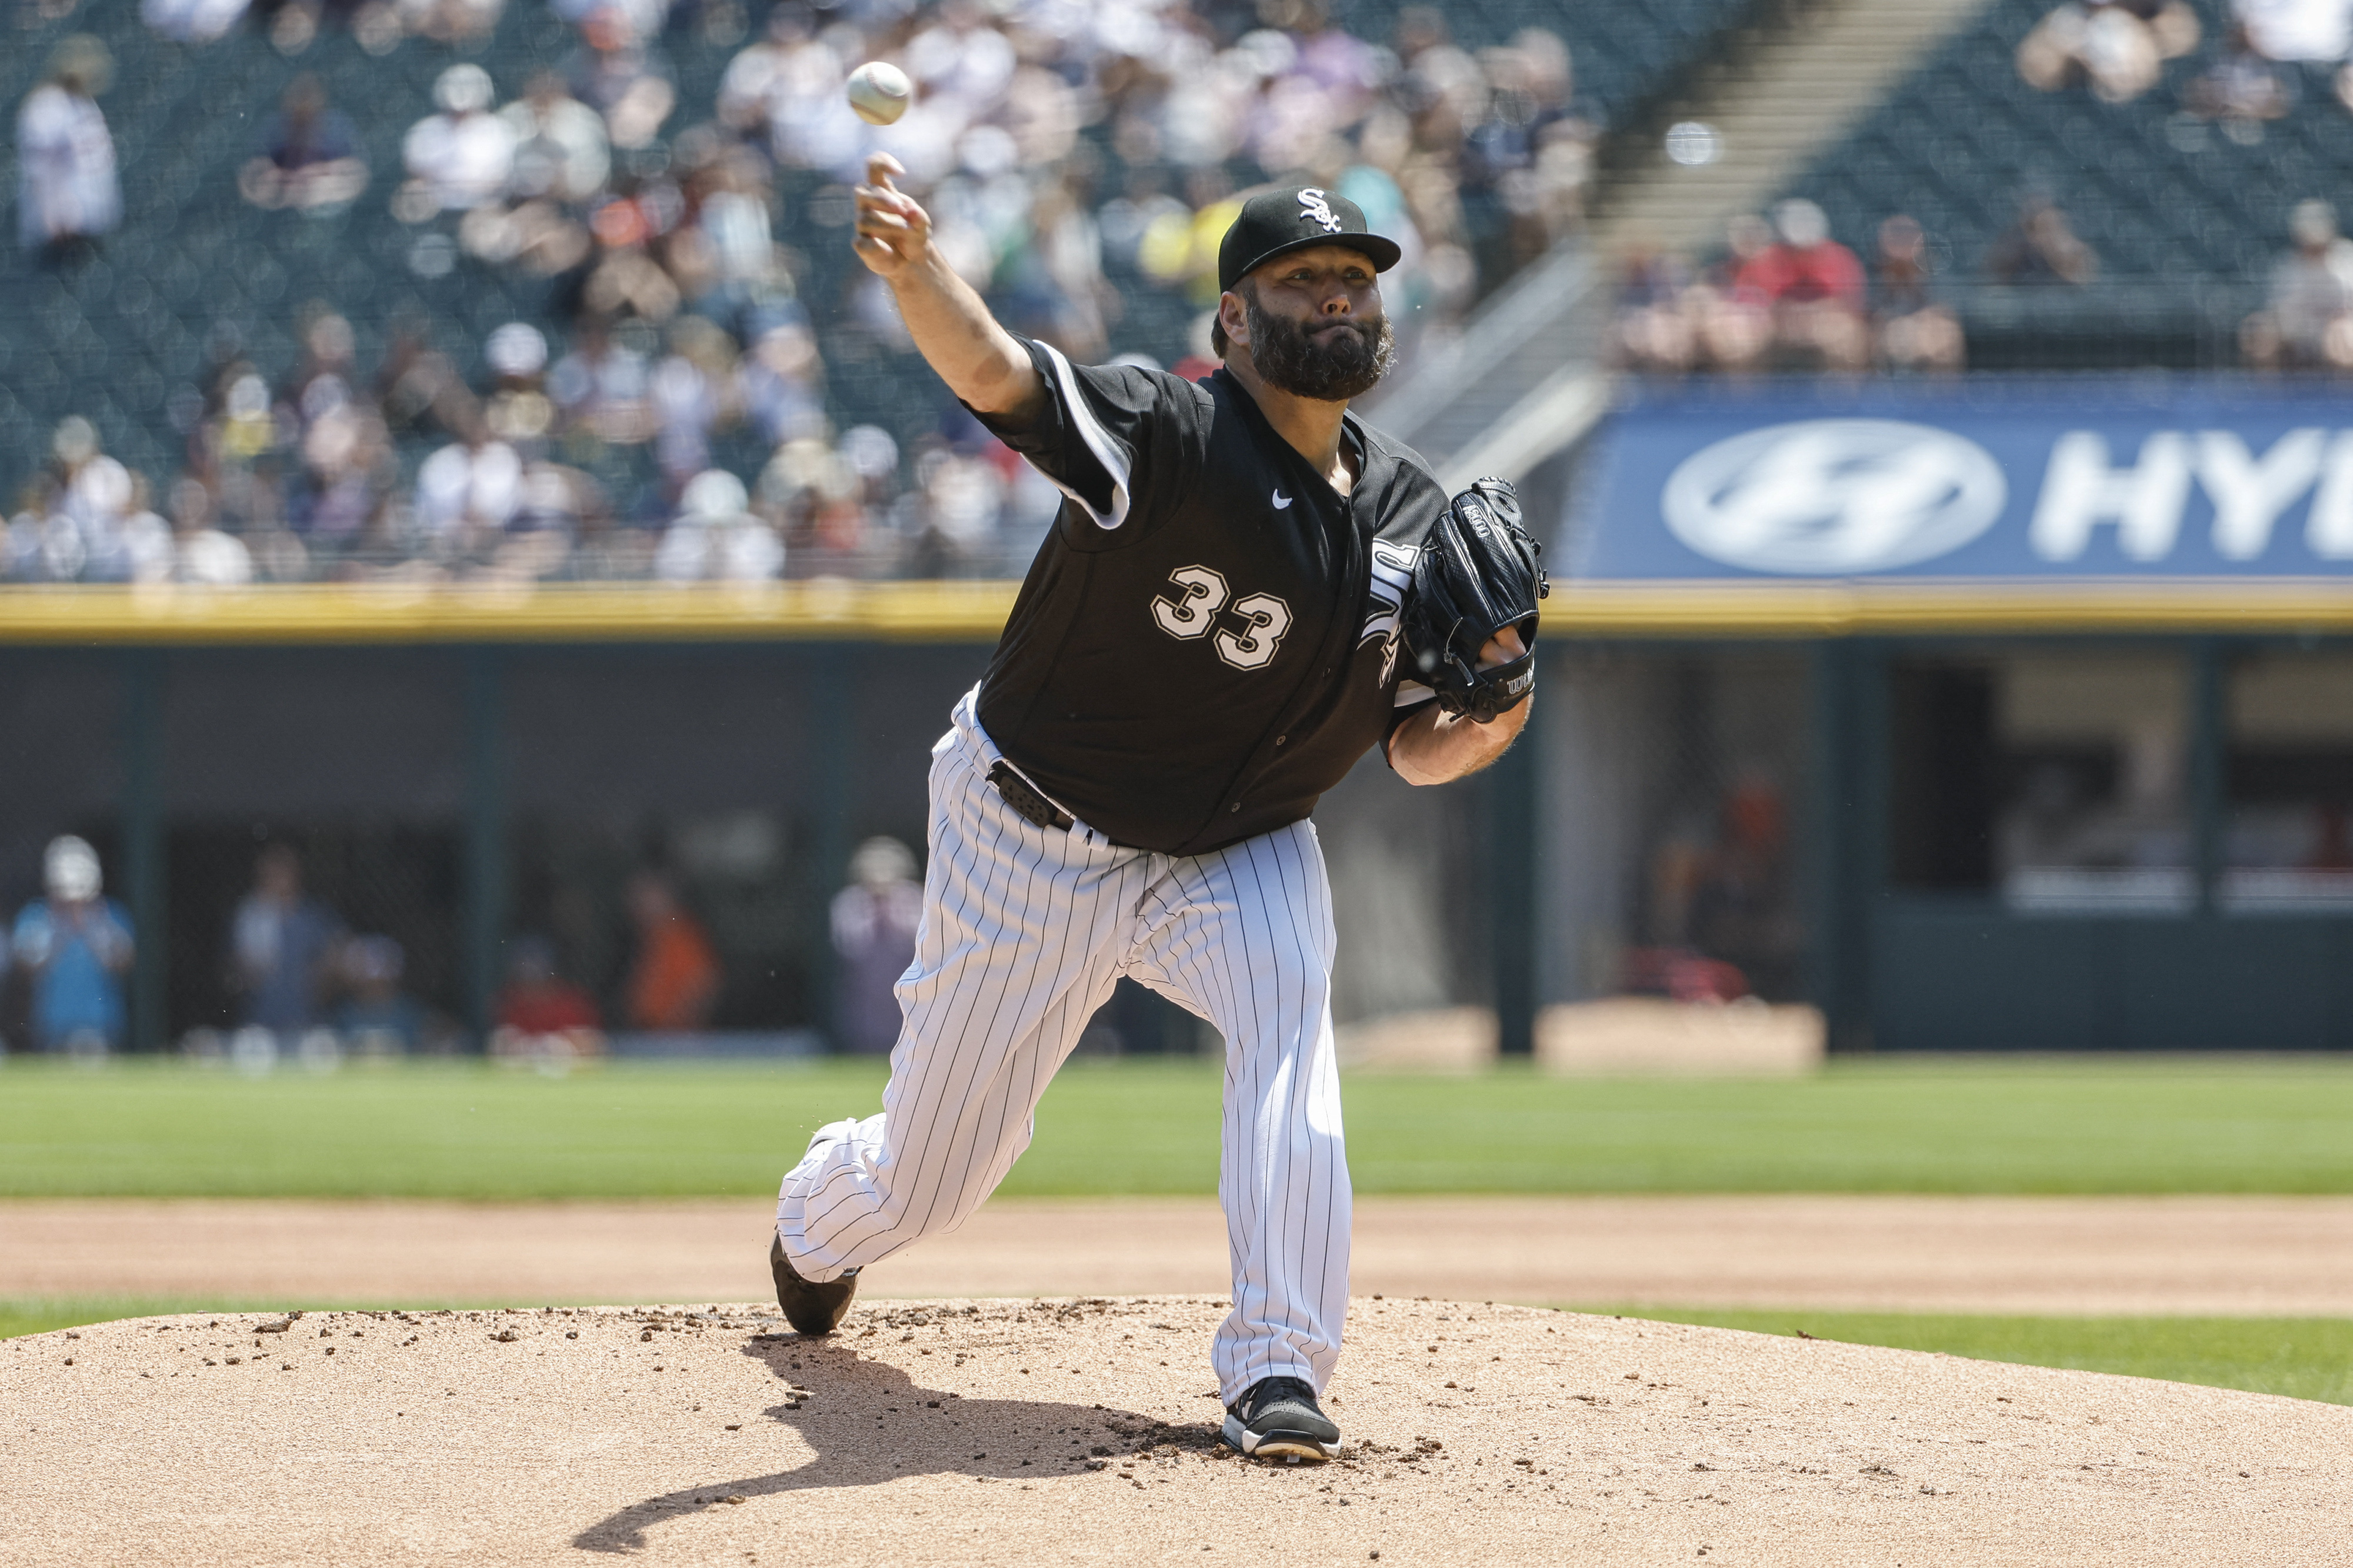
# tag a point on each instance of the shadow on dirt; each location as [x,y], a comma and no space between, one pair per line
[869,1421]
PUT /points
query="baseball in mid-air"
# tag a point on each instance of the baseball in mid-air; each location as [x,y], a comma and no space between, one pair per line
[880,93]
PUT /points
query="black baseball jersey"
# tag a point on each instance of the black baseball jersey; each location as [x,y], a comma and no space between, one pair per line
[1207,641]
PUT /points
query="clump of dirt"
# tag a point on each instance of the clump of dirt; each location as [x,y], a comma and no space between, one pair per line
[1084,1430]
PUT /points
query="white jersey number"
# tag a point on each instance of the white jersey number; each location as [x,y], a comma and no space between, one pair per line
[1268,617]
[1201,593]
[1204,594]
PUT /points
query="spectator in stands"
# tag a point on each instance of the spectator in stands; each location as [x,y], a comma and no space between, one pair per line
[282,947]
[1916,333]
[309,157]
[67,193]
[146,538]
[1522,168]
[546,524]
[961,498]
[780,383]
[418,389]
[345,460]
[616,75]
[539,1013]
[2241,88]
[2117,48]
[600,387]
[2040,246]
[673,981]
[789,85]
[874,921]
[692,392]
[466,494]
[75,944]
[561,153]
[628,278]
[79,534]
[461,157]
[1735,325]
[1740,910]
[715,536]
[817,500]
[519,411]
[345,469]
[376,1018]
[2308,321]
[449,21]
[1653,333]
[202,553]
[1813,287]
[2290,30]
[1060,268]
[725,255]
[193,21]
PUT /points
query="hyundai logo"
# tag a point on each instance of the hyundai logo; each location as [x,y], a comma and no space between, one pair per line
[1833,497]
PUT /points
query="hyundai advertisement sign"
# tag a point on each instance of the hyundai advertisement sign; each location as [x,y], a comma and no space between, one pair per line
[2045,479]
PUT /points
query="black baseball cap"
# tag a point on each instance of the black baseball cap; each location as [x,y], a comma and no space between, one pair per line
[1296,218]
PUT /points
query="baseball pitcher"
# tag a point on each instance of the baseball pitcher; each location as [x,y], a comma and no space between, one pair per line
[1246,588]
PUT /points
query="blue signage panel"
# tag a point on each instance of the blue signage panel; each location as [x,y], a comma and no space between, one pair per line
[2054,478]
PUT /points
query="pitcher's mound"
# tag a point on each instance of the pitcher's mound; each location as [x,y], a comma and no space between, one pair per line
[1028,1433]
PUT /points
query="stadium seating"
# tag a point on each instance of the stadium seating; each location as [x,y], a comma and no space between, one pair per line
[196,275]
[1628,52]
[2185,219]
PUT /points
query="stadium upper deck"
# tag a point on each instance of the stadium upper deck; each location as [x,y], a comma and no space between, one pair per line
[366,315]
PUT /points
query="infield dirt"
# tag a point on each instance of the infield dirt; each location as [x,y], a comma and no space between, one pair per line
[2221,1255]
[1080,1431]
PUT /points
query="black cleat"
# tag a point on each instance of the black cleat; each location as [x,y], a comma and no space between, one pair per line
[1279,1419]
[813,1310]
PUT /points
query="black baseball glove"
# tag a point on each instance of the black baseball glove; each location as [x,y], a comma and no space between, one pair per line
[1478,574]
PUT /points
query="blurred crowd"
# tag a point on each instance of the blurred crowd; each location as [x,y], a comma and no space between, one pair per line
[674,414]
[305,480]
[2272,56]
[1785,295]
[1781,294]
[300,983]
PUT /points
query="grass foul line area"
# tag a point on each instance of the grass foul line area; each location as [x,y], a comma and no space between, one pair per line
[1975,1126]
[2302,1358]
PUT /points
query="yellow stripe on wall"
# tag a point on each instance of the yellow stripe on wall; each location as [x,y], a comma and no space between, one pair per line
[975,611]
[387,612]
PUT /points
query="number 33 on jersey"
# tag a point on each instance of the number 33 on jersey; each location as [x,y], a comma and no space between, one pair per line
[1202,593]
[1201,647]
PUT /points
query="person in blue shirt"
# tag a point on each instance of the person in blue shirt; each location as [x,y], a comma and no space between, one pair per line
[283,947]
[377,1019]
[75,944]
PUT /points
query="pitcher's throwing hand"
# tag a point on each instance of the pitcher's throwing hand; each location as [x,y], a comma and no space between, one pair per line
[893,230]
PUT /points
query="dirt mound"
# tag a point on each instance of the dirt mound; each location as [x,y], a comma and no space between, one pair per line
[1080,1431]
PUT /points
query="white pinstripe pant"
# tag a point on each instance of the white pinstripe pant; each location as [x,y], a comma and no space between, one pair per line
[1025,932]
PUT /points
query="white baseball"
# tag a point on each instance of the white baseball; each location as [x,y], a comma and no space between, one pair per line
[880,93]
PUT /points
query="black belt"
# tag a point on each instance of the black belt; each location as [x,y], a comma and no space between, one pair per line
[1023,797]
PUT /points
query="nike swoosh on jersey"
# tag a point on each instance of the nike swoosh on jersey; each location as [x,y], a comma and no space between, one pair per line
[1282,502]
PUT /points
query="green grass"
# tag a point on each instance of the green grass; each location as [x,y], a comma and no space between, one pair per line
[40,1314]
[1924,1126]
[2304,1358]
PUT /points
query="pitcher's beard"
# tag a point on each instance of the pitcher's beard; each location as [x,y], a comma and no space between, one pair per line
[1348,361]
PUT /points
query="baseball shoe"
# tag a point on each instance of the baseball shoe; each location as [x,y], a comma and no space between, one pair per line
[812,1310]
[1279,1419]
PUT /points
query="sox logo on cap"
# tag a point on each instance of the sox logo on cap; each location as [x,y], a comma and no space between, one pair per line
[1312,204]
